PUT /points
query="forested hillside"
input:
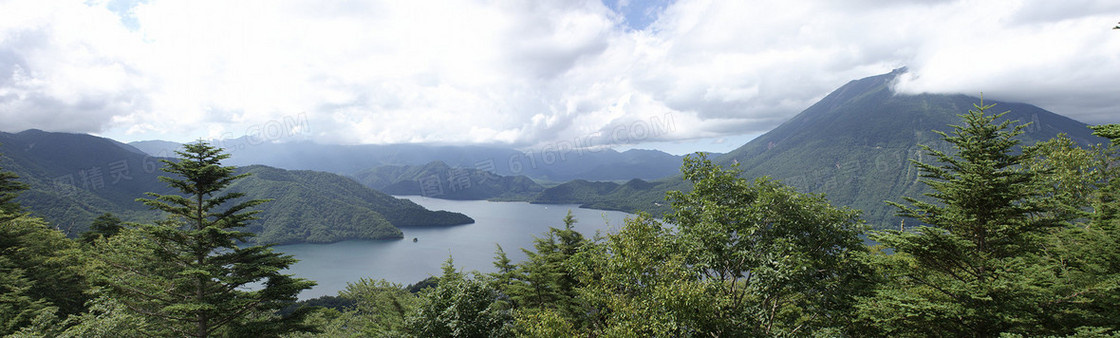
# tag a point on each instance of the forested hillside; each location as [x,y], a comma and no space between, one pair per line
[318,207]
[437,179]
[75,178]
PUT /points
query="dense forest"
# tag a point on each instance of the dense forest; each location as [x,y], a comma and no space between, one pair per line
[1012,239]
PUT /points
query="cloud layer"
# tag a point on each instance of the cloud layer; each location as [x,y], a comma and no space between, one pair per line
[526,73]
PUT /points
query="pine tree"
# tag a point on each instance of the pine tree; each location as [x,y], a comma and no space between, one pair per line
[40,277]
[103,226]
[975,270]
[9,190]
[188,273]
[545,279]
[1081,185]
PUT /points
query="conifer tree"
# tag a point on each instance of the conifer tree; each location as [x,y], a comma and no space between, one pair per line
[103,226]
[1081,185]
[40,277]
[188,273]
[9,190]
[545,279]
[975,269]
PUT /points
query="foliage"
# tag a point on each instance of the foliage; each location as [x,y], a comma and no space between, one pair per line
[980,270]
[9,190]
[544,280]
[41,272]
[1080,186]
[104,226]
[543,323]
[106,318]
[746,259]
[785,262]
[382,306]
[639,284]
[366,308]
[1109,131]
[187,274]
[460,306]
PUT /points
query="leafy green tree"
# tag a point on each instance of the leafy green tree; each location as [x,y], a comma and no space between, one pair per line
[976,271]
[1080,185]
[103,226]
[41,268]
[381,307]
[17,307]
[785,262]
[105,318]
[460,306]
[637,283]
[542,323]
[188,274]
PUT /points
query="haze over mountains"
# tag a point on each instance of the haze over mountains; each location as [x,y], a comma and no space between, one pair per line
[558,163]
[854,146]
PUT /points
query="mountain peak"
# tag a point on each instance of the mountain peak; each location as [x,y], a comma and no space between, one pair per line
[856,143]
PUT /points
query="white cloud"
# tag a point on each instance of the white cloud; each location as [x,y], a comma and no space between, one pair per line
[526,73]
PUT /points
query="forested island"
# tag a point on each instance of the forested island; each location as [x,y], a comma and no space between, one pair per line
[1012,239]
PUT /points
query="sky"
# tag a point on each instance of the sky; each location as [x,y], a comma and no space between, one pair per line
[680,76]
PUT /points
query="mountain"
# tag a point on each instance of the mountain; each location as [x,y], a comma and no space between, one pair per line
[632,196]
[550,163]
[437,179]
[855,144]
[319,207]
[74,178]
[157,148]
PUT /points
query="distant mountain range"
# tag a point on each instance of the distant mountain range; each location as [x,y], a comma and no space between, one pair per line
[74,178]
[854,146]
[548,164]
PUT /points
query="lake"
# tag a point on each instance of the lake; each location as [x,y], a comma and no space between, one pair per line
[510,224]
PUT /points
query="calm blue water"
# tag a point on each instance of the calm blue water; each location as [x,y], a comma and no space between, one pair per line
[510,224]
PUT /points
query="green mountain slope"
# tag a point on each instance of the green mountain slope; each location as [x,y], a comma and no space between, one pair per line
[437,179]
[318,207]
[632,196]
[855,144]
[74,178]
